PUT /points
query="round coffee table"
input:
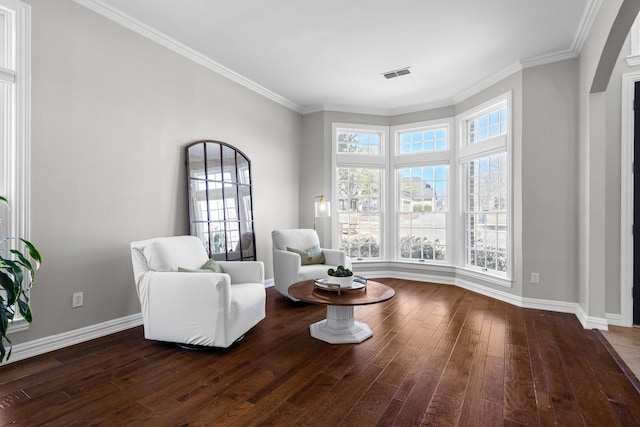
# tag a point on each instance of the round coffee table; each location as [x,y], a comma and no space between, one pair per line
[340,326]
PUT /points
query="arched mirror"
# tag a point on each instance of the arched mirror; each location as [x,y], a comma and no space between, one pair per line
[220,200]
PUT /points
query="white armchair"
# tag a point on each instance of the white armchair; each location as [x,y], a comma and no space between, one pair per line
[288,265]
[192,306]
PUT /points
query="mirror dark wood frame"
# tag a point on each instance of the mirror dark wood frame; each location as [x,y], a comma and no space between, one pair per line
[221,200]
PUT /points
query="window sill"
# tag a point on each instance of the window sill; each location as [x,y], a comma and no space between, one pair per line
[459,272]
[491,278]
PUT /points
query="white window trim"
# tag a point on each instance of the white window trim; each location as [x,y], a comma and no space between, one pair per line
[17,151]
[360,160]
[484,148]
[399,160]
[626,197]
[634,58]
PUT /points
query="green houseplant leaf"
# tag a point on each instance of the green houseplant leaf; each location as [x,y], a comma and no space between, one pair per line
[19,260]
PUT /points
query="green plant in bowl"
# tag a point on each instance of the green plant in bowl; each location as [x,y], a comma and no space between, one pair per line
[340,271]
[340,275]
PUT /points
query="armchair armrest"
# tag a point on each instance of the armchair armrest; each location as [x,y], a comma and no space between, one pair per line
[288,270]
[336,257]
[179,287]
[182,301]
[244,272]
[289,260]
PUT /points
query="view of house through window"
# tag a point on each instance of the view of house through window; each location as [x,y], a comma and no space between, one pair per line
[428,182]
[422,212]
[421,161]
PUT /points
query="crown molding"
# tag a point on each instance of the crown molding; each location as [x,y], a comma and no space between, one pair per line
[347,109]
[501,75]
[422,107]
[549,58]
[152,34]
[387,112]
[588,17]
[133,24]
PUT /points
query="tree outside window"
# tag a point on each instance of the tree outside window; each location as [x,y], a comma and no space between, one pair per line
[359,207]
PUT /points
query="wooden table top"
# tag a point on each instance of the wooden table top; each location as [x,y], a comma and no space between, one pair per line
[374,292]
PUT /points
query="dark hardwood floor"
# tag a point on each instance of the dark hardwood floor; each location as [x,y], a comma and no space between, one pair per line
[439,355]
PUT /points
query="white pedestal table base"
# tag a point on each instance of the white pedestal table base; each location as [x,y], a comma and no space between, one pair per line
[340,326]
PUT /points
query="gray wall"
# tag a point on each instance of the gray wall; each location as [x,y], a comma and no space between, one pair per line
[112,112]
[549,180]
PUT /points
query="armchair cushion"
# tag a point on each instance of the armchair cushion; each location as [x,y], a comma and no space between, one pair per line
[313,255]
[212,264]
[208,267]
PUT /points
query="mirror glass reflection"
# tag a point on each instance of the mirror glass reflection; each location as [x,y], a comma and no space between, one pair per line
[220,200]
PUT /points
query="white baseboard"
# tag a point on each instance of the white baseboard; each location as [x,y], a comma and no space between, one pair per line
[615,319]
[489,292]
[588,322]
[76,336]
[591,322]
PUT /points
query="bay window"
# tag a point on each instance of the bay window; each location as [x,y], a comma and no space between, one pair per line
[435,192]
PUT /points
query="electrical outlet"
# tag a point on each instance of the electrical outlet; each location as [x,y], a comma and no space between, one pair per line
[77,300]
[535,277]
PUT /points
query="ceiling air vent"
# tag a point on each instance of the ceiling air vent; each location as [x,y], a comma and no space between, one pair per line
[396,73]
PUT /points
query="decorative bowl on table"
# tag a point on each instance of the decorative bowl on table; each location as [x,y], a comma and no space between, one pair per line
[344,282]
[340,276]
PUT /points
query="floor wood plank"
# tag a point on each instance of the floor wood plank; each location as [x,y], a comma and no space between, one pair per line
[439,355]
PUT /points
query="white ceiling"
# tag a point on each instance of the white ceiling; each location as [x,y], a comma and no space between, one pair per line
[315,54]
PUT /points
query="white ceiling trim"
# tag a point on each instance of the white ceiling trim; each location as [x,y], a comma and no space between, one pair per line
[586,22]
[133,24]
[514,68]
[581,35]
[548,59]
[152,34]
[388,112]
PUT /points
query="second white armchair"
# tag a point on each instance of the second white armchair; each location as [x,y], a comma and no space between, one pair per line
[183,304]
[297,256]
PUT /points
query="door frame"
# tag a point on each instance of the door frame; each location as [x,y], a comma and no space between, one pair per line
[626,199]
